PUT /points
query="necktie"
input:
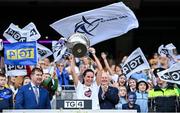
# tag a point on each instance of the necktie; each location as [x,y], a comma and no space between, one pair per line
[36,93]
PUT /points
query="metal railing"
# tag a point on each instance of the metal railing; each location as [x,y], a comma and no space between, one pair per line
[67,92]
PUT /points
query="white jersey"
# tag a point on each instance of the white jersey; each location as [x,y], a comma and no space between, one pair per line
[88,93]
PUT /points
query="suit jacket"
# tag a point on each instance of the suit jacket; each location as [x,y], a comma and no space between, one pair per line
[110,98]
[25,98]
[6,99]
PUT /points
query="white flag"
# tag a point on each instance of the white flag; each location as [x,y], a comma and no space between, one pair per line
[135,62]
[15,34]
[166,50]
[34,33]
[99,24]
[43,52]
[170,46]
[59,49]
[171,75]
[18,70]
[162,50]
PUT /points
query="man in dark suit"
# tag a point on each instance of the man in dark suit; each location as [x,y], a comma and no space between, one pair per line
[32,95]
[108,95]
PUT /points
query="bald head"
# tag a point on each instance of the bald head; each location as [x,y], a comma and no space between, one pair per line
[105,78]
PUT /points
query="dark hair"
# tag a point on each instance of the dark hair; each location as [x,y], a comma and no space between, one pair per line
[47,74]
[2,75]
[131,77]
[137,86]
[132,93]
[36,69]
[87,70]
[121,76]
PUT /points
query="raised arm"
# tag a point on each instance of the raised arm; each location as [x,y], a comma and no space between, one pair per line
[93,52]
[73,72]
[99,66]
[103,55]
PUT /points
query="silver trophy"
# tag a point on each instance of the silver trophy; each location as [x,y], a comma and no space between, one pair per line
[78,44]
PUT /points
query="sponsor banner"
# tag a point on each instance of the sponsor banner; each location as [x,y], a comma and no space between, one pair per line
[20,53]
[15,70]
[74,104]
[135,62]
[171,75]
[34,34]
[15,34]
